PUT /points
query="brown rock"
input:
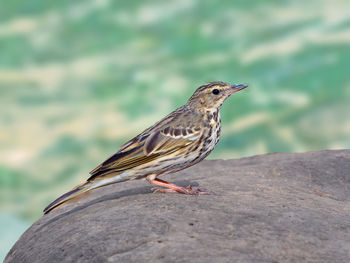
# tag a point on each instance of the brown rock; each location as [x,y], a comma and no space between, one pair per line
[269,208]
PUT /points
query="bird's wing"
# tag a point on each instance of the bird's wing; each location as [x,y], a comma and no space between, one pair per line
[146,148]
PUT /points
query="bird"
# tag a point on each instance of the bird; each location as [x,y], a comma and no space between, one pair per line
[181,139]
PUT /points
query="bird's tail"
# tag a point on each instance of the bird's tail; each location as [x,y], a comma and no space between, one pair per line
[82,188]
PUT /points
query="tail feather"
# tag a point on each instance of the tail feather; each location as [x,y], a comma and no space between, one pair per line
[67,196]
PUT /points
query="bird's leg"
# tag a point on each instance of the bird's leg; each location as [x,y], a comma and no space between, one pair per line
[173,188]
[170,188]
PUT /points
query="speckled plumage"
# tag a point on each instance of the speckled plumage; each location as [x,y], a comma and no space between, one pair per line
[181,139]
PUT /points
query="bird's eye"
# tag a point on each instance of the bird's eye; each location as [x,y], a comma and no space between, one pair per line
[216,91]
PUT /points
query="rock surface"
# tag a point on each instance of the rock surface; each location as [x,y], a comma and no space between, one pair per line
[269,208]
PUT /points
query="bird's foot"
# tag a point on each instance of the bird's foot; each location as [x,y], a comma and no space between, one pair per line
[192,190]
[163,190]
[173,188]
[189,190]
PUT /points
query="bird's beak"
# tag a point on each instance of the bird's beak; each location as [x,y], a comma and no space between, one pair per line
[235,88]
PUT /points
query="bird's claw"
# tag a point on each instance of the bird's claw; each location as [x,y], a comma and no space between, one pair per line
[188,190]
[191,190]
[163,190]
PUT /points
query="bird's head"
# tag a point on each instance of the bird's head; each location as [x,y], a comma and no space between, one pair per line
[212,95]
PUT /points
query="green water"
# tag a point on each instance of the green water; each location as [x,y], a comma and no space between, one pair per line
[79,78]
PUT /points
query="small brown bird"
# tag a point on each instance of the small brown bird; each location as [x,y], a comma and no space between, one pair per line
[183,138]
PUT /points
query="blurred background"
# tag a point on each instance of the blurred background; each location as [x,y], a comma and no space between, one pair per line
[79,78]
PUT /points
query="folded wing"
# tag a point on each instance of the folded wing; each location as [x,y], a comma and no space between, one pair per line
[146,148]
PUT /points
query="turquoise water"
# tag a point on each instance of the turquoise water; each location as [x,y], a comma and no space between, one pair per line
[77,79]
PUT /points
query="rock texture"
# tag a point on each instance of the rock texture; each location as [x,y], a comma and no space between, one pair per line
[269,208]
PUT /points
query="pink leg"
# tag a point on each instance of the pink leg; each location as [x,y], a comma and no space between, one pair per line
[173,188]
